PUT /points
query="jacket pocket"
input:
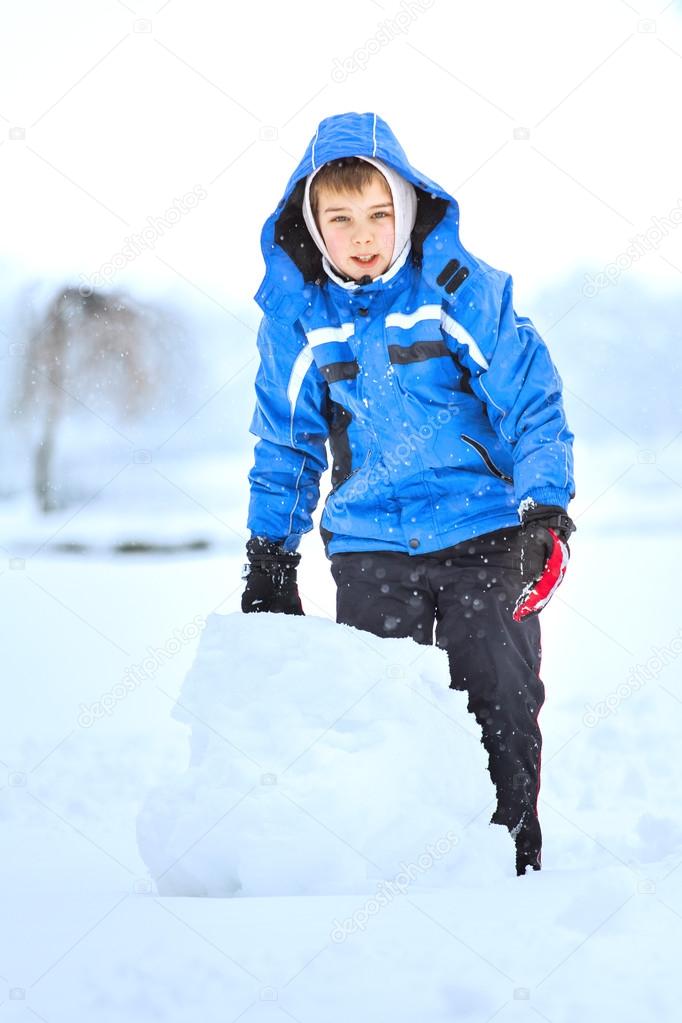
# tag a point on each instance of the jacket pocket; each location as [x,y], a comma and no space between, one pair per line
[487,460]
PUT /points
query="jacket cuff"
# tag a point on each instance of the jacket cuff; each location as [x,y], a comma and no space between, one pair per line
[558,496]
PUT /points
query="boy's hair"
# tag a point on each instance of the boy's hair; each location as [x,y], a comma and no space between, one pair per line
[350,174]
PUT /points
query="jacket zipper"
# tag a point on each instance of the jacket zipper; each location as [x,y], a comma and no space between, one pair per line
[351,474]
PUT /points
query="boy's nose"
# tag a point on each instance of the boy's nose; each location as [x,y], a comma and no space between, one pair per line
[362,235]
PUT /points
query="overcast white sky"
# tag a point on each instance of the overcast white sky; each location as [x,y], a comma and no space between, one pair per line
[110,111]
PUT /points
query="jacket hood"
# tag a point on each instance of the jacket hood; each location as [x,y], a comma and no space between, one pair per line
[293,262]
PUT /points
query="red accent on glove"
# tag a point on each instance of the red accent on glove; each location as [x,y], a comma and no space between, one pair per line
[535,595]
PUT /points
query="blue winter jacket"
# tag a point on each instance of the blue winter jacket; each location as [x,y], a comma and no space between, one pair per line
[441,405]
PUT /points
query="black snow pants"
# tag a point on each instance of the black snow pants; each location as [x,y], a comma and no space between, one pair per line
[468,592]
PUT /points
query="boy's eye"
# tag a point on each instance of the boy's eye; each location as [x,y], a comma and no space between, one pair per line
[379,213]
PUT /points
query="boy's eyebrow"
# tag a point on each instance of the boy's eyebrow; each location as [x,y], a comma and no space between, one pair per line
[339,209]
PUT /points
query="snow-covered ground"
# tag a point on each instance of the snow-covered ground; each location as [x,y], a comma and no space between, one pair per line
[96,653]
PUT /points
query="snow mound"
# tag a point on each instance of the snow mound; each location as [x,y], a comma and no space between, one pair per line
[323,760]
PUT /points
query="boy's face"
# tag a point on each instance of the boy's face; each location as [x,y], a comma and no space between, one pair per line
[358,224]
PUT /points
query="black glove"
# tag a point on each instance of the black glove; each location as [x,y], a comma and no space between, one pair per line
[545,530]
[270,578]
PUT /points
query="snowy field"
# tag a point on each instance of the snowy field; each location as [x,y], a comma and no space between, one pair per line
[208,818]
[98,651]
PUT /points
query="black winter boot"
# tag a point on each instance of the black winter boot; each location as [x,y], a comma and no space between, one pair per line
[527,837]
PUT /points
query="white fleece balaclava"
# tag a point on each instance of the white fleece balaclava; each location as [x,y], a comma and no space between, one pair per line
[404,211]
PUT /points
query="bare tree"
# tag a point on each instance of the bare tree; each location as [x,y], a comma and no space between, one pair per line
[91,349]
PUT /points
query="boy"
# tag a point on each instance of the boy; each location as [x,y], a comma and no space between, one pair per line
[452,460]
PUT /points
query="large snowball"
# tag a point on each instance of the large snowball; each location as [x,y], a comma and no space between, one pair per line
[323,760]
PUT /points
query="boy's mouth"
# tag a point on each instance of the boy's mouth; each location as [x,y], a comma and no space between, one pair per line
[365,260]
